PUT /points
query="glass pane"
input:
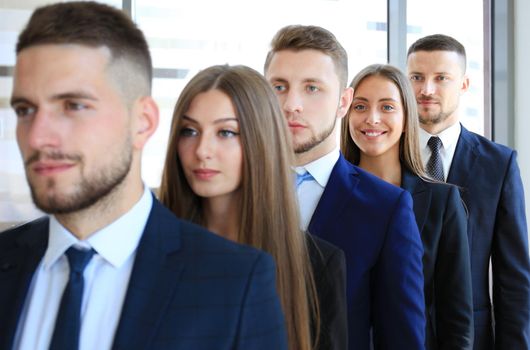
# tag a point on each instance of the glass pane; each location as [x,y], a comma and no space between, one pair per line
[15,201]
[186,36]
[465,25]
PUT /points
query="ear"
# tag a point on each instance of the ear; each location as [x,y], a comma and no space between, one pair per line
[146,118]
[465,83]
[344,102]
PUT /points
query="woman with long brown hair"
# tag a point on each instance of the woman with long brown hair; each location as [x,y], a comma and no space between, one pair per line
[228,168]
[380,135]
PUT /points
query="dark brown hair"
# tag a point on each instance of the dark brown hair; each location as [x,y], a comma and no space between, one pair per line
[298,37]
[268,209]
[439,42]
[95,25]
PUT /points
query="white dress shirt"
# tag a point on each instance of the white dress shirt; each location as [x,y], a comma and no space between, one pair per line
[449,138]
[106,280]
[310,191]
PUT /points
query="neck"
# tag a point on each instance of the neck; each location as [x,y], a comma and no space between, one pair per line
[435,129]
[385,168]
[222,217]
[316,152]
[105,211]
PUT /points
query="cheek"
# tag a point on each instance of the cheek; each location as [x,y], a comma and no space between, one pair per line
[353,122]
[184,151]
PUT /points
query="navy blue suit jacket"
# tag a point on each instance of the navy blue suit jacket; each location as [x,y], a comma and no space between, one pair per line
[189,289]
[373,223]
[442,222]
[491,188]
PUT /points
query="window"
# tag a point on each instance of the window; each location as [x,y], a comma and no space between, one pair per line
[463,20]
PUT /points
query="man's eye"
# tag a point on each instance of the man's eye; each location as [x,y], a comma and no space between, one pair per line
[279,88]
[24,111]
[415,78]
[188,132]
[312,88]
[75,106]
[442,78]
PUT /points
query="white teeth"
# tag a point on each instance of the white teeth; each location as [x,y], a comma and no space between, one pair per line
[372,133]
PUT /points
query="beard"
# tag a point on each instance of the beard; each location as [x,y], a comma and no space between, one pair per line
[89,189]
[315,140]
[430,118]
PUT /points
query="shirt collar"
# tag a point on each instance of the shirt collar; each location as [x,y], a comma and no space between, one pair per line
[449,136]
[321,168]
[114,243]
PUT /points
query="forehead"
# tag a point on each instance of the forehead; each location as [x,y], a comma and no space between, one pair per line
[58,67]
[210,106]
[378,87]
[303,65]
[435,62]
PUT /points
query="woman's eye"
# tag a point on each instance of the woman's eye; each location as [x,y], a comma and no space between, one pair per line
[359,108]
[228,133]
[187,132]
[388,108]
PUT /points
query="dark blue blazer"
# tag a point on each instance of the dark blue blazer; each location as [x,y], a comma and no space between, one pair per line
[491,188]
[189,289]
[373,223]
[442,221]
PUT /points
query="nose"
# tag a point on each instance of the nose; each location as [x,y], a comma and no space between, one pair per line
[205,147]
[373,117]
[292,102]
[427,88]
[39,131]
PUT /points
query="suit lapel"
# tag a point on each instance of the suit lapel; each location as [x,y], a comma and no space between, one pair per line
[421,196]
[17,267]
[341,184]
[153,281]
[466,154]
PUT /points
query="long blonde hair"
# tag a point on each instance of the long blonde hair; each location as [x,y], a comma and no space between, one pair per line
[268,209]
[409,148]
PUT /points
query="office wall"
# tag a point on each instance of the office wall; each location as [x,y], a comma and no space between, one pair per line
[522,92]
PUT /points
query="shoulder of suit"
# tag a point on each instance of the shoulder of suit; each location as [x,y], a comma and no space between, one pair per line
[28,231]
[491,148]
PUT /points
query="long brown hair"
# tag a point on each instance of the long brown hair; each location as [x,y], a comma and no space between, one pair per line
[409,148]
[268,210]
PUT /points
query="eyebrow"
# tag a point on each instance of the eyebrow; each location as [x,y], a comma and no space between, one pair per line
[64,96]
[306,80]
[380,100]
[217,121]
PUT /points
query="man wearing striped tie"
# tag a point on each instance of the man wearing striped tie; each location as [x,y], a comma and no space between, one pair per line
[491,188]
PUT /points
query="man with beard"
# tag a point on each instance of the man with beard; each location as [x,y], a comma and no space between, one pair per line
[371,220]
[111,267]
[491,188]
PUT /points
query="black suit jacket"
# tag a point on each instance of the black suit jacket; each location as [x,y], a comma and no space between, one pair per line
[442,221]
[189,288]
[492,190]
[329,270]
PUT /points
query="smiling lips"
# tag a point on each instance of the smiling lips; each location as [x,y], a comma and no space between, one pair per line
[205,174]
[370,133]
